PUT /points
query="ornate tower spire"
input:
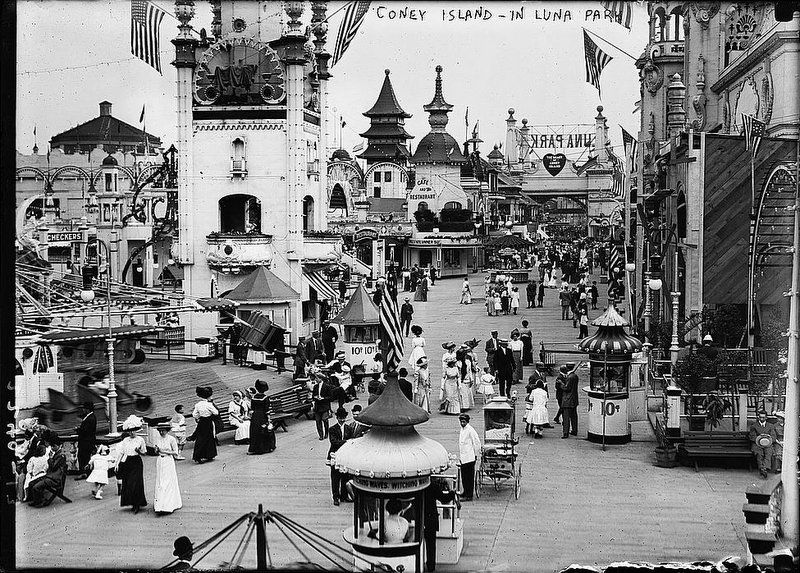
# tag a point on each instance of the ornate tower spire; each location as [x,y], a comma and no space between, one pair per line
[438,108]
[438,146]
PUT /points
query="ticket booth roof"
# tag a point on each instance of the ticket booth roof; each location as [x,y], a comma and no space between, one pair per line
[359,310]
[610,336]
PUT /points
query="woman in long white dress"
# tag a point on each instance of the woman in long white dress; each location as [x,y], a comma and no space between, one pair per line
[422,384]
[239,413]
[168,493]
[417,347]
[449,393]
[537,416]
[516,347]
[465,379]
[466,293]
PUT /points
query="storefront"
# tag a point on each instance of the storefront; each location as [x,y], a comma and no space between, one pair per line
[451,256]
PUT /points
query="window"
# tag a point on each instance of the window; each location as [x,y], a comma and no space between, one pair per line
[452,257]
[308,213]
[681,214]
[376,192]
[238,160]
[109,182]
[452,205]
[239,214]
[658,25]
[377,177]
[387,177]
[676,24]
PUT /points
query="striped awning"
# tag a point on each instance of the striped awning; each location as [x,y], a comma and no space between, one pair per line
[318,282]
[94,334]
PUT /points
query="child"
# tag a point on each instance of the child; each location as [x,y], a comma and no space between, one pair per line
[99,463]
[36,467]
[486,387]
[178,424]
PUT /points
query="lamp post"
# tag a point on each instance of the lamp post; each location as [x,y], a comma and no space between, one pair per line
[676,295]
[477,224]
[654,285]
[87,295]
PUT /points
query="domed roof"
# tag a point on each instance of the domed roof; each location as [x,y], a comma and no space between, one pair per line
[438,147]
[610,335]
[392,408]
[341,155]
[109,160]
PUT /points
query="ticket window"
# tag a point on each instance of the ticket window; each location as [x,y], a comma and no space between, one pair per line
[617,377]
[388,521]
[361,334]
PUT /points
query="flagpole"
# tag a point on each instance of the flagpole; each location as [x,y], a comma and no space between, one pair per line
[612,45]
[751,260]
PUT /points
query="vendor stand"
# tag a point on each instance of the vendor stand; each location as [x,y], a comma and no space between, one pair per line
[390,468]
[498,456]
[360,320]
[610,350]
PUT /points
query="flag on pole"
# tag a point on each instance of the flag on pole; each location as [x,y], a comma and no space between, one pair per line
[596,60]
[619,11]
[145,26]
[344,123]
[359,148]
[141,115]
[466,117]
[390,323]
[354,16]
[753,132]
[617,176]
[630,144]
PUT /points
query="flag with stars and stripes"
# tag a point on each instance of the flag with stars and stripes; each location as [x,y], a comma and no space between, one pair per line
[617,177]
[145,27]
[619,11]
[753,132]
[596,60]
[354,16]
[630,145]
[390,324]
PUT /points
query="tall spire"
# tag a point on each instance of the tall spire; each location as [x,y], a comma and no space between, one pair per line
[438,108]
[438,146]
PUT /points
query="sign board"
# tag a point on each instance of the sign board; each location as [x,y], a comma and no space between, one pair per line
[65,237]
[378,485]
[577,137]
[365,235]
[360,353]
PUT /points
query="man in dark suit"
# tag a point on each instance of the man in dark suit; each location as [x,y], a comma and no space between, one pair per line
[184,551]
[405,385]
[569,405]
[491,348]
[504,366]
[320,399]
[406,312]
[338,435]
[87,432]
[329,337]
[437,490]
[314,348]
[359,429]
[40,494]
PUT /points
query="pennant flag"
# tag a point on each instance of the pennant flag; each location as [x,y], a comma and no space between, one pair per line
[145,26]
[596,60]
[618,11]
[390,324]
[466,117]
[359,148]
[344,123]
[353,18]
[753,132]
[141,115]
[630,144]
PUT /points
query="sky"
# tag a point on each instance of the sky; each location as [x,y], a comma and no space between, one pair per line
[73,54]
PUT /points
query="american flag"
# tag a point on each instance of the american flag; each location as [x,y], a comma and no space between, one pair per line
[617,176]
[353,18]
[390,324]
[619,11]
[145,25]
[630,144]
[596,60]
[753,132]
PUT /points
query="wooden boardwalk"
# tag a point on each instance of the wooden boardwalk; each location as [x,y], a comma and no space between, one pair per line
[578,504]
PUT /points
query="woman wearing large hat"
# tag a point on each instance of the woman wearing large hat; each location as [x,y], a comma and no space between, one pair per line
[205,445]
[168,494]
[130,470]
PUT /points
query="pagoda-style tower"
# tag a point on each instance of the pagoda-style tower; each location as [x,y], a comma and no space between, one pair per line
[386,136]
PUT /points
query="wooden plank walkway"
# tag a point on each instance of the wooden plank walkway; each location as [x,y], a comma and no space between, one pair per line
[578,504]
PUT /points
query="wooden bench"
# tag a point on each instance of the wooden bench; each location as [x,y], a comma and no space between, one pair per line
[699,446]
[291,402]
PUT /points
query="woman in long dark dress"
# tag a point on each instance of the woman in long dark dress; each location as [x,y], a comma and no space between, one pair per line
[205,444]
[130,470]
[262,434]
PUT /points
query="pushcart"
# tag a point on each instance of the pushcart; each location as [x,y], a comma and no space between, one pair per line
[498,461]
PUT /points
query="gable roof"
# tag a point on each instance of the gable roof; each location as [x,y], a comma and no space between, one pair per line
[262,285]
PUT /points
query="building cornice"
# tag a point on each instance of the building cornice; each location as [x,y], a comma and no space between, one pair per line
[734,72]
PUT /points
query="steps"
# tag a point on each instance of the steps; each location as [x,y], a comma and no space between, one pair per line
[760,540]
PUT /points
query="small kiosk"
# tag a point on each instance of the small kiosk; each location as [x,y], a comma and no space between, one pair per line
[391,467]
[361,321]
[610,350]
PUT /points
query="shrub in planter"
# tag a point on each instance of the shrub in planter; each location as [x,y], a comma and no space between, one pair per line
[666,452]
[715,406]
[691,375]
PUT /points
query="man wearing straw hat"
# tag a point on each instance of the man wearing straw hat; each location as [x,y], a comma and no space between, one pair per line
[762,437]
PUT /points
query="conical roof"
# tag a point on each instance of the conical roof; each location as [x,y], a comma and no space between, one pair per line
[359,310]
[610,335]
[386,103]
[261,286]
[392,408]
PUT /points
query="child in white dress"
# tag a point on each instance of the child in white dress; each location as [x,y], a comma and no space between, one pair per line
[178,424]
[486,386]
[99,463]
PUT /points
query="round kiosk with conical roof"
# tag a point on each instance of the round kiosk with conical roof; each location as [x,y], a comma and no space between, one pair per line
[610,350]
[391,466]
[360,320]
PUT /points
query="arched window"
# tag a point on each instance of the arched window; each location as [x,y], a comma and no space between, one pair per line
[238,158]
[658,25]
[308,213]
[452,205]
[681,214]
[422,206]
[676,24]
[338,199]
[239,214]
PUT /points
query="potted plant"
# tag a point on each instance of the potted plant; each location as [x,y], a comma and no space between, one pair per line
[715,406]
[666,452]
[691,372]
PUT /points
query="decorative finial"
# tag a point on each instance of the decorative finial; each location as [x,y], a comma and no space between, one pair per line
[439,69]
[294,9]
[524,121]
[386,71]
[511,111]
[600,109]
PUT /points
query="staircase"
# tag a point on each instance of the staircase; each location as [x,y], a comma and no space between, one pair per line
[761,512]
[357,266]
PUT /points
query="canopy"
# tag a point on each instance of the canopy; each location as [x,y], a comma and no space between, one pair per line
[509,241]
[318,282]
[94,334]
[359,310]
[171,273]
[262,286]
[610,336]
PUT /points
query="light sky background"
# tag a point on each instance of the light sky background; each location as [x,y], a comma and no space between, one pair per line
[534,66]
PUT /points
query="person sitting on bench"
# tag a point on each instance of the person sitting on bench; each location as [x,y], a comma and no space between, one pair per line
[43,491]
[758,431]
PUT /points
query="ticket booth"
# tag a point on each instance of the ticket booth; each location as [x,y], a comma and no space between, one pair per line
[359,321]
[610,350]
[391,467]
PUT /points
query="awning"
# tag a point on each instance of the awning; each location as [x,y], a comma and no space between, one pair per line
[318,282]
[171,272]
[94,334]
[212,304]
